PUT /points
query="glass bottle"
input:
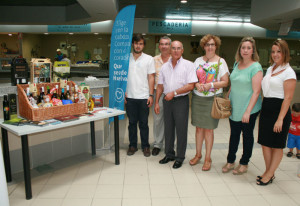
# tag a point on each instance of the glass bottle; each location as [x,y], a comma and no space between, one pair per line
[6,115]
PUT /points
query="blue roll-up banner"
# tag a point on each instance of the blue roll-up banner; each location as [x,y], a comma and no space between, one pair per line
[120,48]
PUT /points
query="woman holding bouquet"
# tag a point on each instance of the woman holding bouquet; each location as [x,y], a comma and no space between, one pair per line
[212,73]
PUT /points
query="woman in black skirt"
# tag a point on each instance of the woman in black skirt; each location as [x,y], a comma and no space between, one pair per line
[278,88]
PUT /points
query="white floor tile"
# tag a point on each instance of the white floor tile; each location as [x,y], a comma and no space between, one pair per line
[185,178]
[136,191]
[192,190]
[280,199]
[54,191]
[290,187]
[161,179]
[77,202]
[228,201]
[109,191]
[163,191]
[242,188]
[107,202]
[111,179]
[217,189]
[81,191]
[136,179]
[136,202]
[195,201]
[47,202]
[166,202]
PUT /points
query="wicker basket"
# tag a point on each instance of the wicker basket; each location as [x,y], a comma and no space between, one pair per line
[38,114]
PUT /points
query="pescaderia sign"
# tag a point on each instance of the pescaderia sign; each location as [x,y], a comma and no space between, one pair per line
[170,26]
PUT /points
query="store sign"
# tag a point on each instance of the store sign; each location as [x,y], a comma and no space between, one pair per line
[170,26]
[119,57]
[69,28]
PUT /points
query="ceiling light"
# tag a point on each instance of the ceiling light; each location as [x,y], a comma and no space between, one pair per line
[177,17]
[193,35]
[183,1]
[96,33]
[204,18]
[71,33]
[9,34]
[143,34]
[278,38]
[168,34]
[46,33]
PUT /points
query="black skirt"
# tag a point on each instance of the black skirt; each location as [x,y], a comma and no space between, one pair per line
[268,116]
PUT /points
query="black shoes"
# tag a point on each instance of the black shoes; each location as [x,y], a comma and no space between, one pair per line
[177,164]
[131,151]
[165,160]
[146,151]
[155,151]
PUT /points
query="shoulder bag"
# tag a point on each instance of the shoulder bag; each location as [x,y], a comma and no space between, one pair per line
[221,107]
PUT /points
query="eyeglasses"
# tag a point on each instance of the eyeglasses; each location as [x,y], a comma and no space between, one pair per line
[176,48]
[208,45]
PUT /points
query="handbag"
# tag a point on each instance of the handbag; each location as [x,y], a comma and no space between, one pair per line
[221,107]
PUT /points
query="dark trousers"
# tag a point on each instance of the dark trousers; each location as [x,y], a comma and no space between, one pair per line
[176,114]
[138,112]
[248,139]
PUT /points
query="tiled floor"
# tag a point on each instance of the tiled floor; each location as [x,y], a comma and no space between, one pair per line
[141,181]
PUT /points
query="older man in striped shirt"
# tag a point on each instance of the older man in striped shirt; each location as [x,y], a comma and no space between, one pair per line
[177,78]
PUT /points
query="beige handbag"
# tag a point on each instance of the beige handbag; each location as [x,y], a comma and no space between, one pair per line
[221,107]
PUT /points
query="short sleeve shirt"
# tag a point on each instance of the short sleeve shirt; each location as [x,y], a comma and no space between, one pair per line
[276,82]
[176,77]
[206,73]
[241,90]
[137,83]
[158,64]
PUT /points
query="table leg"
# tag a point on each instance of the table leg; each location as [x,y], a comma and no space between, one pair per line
[93,141]
[117,152]
[6,156]
[26,166]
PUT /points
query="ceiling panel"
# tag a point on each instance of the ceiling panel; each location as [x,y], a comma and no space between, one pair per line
[159,9]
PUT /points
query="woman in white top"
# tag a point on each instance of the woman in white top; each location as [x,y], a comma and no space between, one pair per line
[212,73]
[278,88]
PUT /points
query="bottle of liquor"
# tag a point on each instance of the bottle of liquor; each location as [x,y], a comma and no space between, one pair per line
[42,94]
[68,95]
[90,103]
[6,115]
[35,97]
[55,92]
[47,97]
[76,95]
[62,96]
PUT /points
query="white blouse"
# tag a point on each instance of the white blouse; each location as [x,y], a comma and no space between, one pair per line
[276,82]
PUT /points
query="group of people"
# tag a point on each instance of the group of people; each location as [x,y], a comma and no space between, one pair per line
[166,80]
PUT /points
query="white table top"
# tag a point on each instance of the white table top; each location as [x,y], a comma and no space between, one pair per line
[31,129]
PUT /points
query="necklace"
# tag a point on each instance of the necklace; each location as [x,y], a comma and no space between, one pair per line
[209,58]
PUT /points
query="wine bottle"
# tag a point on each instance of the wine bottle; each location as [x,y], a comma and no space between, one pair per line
[42,94]
[6,115]
[68,95]
[62,96]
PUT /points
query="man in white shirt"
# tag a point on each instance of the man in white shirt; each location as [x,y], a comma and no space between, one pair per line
[158,119]
[139,95]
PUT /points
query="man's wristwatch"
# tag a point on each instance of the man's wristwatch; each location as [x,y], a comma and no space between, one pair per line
[175,93]
[151,95]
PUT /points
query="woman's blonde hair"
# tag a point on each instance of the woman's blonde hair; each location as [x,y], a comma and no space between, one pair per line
[284,48]
[207,38]
[254,56]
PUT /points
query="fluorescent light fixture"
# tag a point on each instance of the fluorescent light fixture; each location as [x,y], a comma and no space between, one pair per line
[205,22]
[193,35]
[96,33]
[278,38]
[228,23]
[46,33]
[204,18]
[143,34]
[9,34]
[183,1]
[71,33]
[177,17]
[247,20]
[231,19]
[168,34]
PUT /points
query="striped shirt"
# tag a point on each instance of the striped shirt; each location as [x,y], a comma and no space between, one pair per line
[174,78]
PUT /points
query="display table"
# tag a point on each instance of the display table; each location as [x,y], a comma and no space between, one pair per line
[25,130]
